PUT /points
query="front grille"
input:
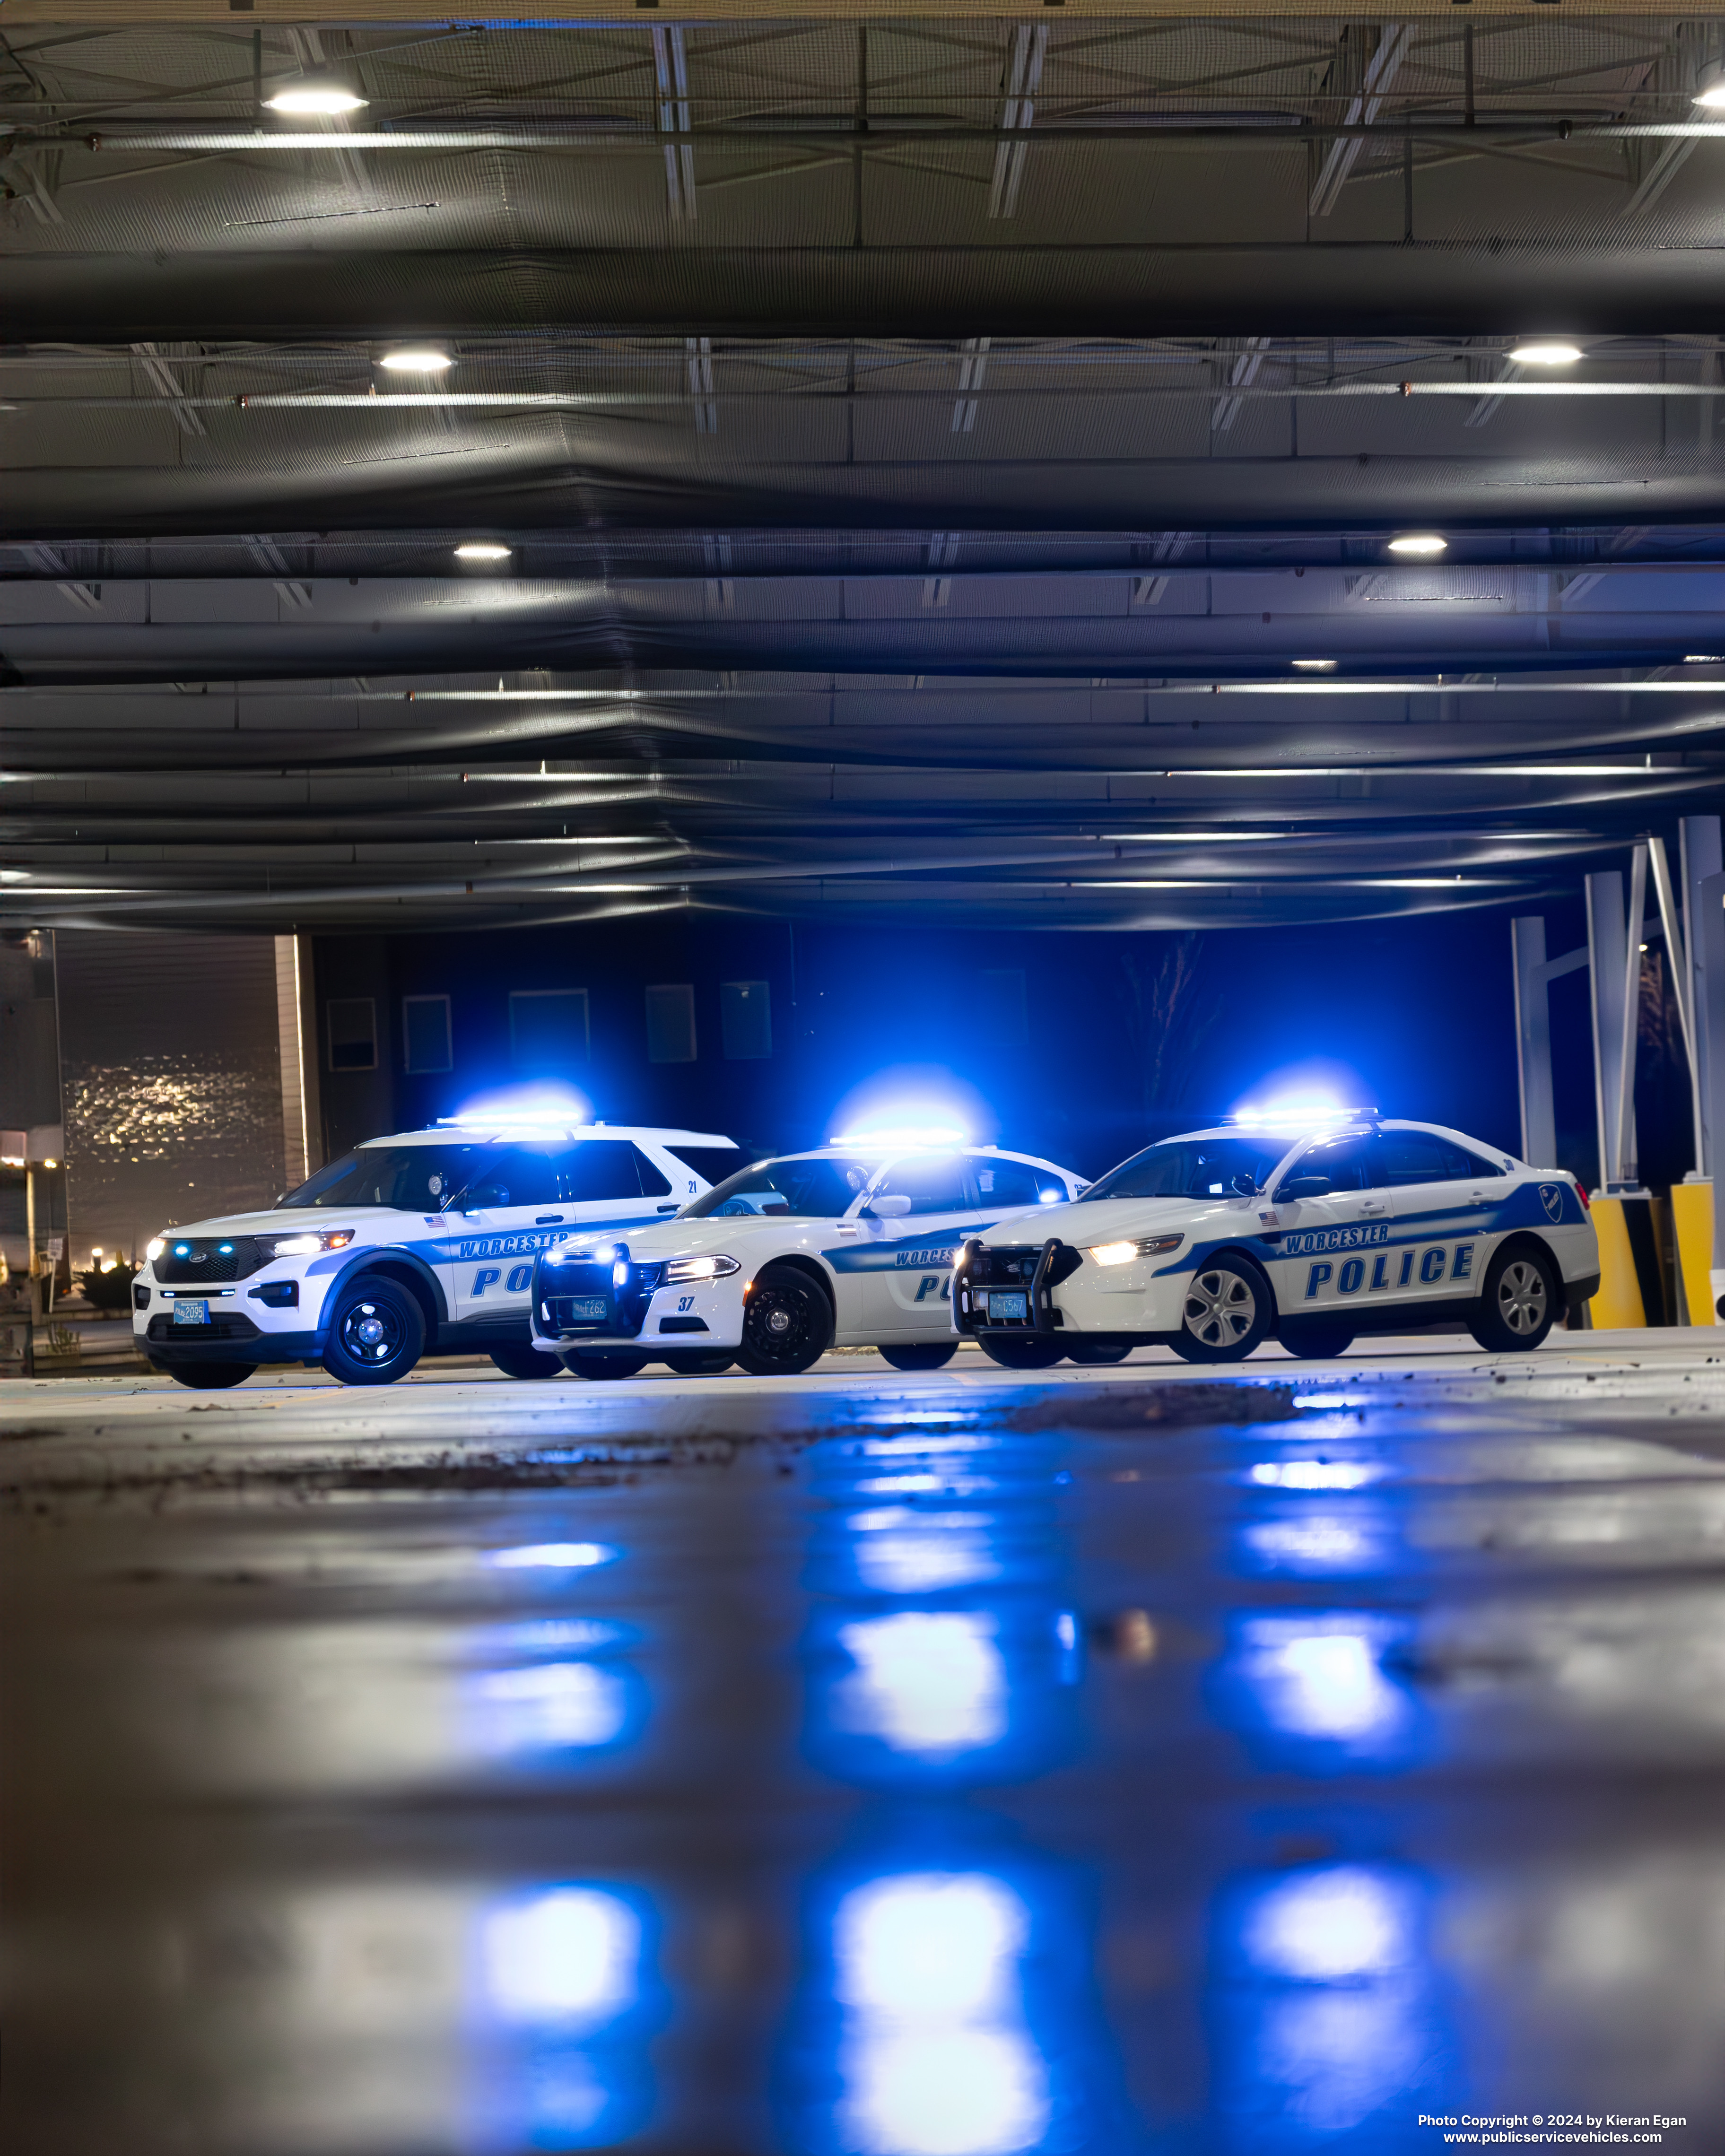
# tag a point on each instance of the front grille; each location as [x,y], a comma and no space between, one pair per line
[577,1295]
[214,1260]
[229,1325]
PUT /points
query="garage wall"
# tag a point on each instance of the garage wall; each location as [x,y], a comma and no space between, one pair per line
[170,1062]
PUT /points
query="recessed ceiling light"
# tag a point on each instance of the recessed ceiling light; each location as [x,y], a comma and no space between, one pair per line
[482,549]
[1710,84]
[1546,355]
[1316,666]
[416,362]
[313,97]
[1702,658]
[1418,542]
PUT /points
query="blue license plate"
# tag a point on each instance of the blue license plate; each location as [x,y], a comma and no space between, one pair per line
[588,1307]
[1006,1308]
[191,1313]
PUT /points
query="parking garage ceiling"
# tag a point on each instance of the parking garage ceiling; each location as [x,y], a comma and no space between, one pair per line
[944,467]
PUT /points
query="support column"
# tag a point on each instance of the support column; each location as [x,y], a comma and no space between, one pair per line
[301,1118]
[1694,1218]
[1606,956]
[1539,1123]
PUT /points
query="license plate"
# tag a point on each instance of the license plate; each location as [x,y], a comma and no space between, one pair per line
[191,1313]
[588,1305]
[1007,1307]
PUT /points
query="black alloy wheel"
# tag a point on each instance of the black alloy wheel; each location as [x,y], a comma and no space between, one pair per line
[1227,1310]
[209,1376]
[1316,1343]
[377,1331]
[1520,1302]
[515,1360]
[787,1323]
[1098,1351]
[597,1364]
[698,1362]
[1021,1351]
[921,1354]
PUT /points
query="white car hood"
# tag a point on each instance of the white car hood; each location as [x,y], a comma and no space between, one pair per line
[1110,1218]
[677,1239]
[285,1220]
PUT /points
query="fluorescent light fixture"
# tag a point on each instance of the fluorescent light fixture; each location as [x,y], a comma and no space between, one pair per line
[316,97]
[1703,659]
[416,360]
[1418,542]
[1710,84]
[1547,354]
[1315,665]
[482,549]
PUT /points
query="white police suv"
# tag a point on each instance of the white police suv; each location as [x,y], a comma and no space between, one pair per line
[1213,1242]
[415,1244]
[851,1244]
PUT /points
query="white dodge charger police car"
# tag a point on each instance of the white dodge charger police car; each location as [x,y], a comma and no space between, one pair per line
[850,1245]
[415,1244]
[1215,1241]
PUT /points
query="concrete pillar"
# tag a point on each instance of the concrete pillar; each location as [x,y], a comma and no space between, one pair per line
[1607,946]
[1699,857]
[1539,1125]
[297,1032]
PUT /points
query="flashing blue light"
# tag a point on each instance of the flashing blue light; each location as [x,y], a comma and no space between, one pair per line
[551,1108]
[224,1249]
[893,1136]
[182,1250]
[1298,1111]
[552,1557]
[619,1273]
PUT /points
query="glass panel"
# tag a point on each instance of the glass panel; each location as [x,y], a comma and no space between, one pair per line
[1012,1182]
[713,1163]
[1191,1167]
[419,1178]
[1349,1163]
[653,1183]
[599,1168]
[800,1189]
[1421,1156]
[935,1185]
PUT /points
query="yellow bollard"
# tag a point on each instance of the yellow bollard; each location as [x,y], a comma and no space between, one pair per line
[1619,1300]
[1692,1226]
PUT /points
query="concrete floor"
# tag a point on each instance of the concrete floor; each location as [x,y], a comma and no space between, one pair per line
[868,1766]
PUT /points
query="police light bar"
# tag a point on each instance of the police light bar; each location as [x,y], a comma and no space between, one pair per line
[927,1134]
[1301,1115]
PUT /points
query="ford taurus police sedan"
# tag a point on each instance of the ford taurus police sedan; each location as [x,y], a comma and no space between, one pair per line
[847,1245]
[415,1244]
[1213,1242]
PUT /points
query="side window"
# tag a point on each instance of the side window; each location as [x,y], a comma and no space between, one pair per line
[1476,1166]
[1004,1183]
[513,1175]
[652,1181]
[1349,1162]
[1412,1156]
[934,1185]
[598,1169]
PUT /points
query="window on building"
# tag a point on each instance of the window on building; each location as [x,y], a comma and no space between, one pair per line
[425,1038]
[670,1023]
[746,1020]
[353,1033]
[1002,1012]
[548,1030]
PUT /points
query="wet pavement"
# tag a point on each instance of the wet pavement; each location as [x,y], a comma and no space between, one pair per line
[953,1765]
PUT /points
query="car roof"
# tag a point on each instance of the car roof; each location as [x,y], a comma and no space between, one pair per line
[896,1149]
[501,1133]
[1289,1135]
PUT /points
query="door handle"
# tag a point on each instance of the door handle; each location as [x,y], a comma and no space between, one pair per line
[665,1209]
[1375,1208]
[547,1219]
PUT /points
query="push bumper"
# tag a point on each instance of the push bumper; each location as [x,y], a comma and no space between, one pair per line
[581,1306]
[1011,1289]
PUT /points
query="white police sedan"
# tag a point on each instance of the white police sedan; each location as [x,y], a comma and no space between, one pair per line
[848,1246]
[1213,1242]
[421,1243]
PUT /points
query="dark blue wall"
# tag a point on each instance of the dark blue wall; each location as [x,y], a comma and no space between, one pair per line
[1121,1036]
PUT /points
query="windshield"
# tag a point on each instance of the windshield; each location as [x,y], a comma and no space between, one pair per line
[420,1179]
[1192,1167]
[787,1189]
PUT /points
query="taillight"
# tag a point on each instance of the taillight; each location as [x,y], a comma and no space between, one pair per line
[1587,1203]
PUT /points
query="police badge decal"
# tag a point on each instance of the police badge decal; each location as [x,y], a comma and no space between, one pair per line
[1551,1196]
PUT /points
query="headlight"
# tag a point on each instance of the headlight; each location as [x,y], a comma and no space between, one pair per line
[155,1246]
[309,1244]
[682,1270]
[1147,1246]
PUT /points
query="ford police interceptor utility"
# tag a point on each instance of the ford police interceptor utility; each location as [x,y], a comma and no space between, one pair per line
[420,1244]
[851,1244]
[1211,1243]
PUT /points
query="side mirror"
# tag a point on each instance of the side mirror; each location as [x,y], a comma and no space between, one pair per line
[890,1206]
[1306,1186]
[1244,1185]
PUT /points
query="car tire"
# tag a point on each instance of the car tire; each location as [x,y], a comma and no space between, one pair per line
[209,1376]
[1520,1302]
[1316,1343]
[518,1362]
[377,1331]
[603,1366]
[1021,1351]
[698,1362]
[1227,1310]
[920,1354]
[1098,1351]
[787,1323]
